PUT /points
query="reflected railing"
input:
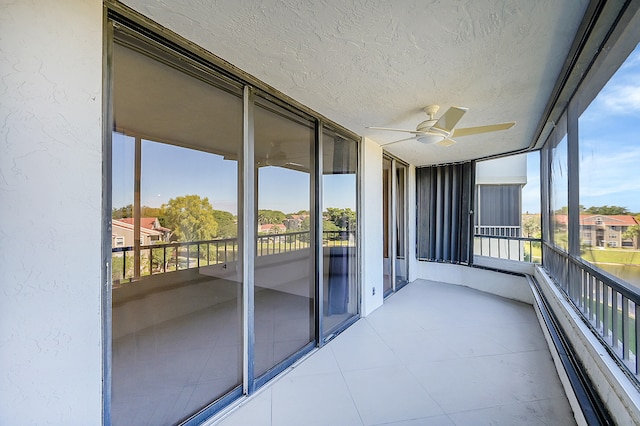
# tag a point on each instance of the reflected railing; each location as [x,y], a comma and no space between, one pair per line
[158,259]
[497,231]
[609,305]
[162,258]
[522,249]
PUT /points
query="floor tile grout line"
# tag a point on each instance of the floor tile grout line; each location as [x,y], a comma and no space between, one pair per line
[344,380]
[377,331]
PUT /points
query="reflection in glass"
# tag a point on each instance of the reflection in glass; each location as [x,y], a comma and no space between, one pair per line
[387,284]
[559,197]
[531,217]
[401,261]
[609,195]
[507,208]
[284,291]
[176,290]
[339,230]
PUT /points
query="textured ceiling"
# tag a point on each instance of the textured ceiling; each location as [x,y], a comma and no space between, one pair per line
[377,63]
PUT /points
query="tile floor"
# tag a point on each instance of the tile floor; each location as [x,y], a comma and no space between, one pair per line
[434,354]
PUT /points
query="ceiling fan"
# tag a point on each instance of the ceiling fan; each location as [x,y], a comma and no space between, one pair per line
[277,157]
[440,131]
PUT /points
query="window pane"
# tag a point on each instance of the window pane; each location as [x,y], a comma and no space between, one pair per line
[387,284]
[609,131]
[176,290]
[507,212]
[401,260]
[339,230]
[284,284]
[559,197]
[531,217]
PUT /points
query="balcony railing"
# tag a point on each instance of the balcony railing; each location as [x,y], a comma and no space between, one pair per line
[498,231]
[610,306]
[522,249]
[163,258]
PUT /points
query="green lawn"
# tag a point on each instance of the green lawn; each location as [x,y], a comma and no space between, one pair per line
[536,252]
[632,325]
[607,255]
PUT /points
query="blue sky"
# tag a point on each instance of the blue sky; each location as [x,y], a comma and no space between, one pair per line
[610,141]
[609,132]
[169,171]
[531,191]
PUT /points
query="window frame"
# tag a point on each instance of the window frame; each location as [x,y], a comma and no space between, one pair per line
[130,27]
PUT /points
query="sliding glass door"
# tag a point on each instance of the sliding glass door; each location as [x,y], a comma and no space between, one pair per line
[284,290]
[339,231]
[387,228]
[401,261]
[394,196]
[176,289]
[233,234]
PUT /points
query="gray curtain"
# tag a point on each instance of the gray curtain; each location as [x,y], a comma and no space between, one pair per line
[498,205]
[444,212]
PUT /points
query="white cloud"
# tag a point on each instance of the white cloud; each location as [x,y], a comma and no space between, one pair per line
[621,95]
[621,98]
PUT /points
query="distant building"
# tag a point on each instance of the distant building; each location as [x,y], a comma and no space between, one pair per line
[294,221]
[602,230]
[498,202]
[272,228]
[151,232]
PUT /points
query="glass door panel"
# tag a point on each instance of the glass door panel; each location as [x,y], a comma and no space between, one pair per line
[387,234]
[339,237]
[284,292]
[401,230]
[176,291]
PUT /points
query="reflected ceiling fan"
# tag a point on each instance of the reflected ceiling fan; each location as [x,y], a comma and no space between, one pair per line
[440,131]
[277,157]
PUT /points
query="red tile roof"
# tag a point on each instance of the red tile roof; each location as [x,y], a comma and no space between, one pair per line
[124,224]
[269,226]
[145,222]
[613,220]
[590,219]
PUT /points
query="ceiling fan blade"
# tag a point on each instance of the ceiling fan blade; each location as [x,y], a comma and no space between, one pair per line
[395,130]
[296,166]
[450,118]
[483,129]
[446,142]
[401,140]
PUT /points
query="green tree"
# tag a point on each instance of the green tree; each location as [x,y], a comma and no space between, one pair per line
[344,219]
[270,216]
[531,226]
[122,212]
[191,218]
[328,225]
[607,210]
[632,233]
[305,225]
[227,225]
[146,211]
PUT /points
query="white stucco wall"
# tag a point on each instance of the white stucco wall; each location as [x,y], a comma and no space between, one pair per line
[371,238]
[50,212]
[506,285]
